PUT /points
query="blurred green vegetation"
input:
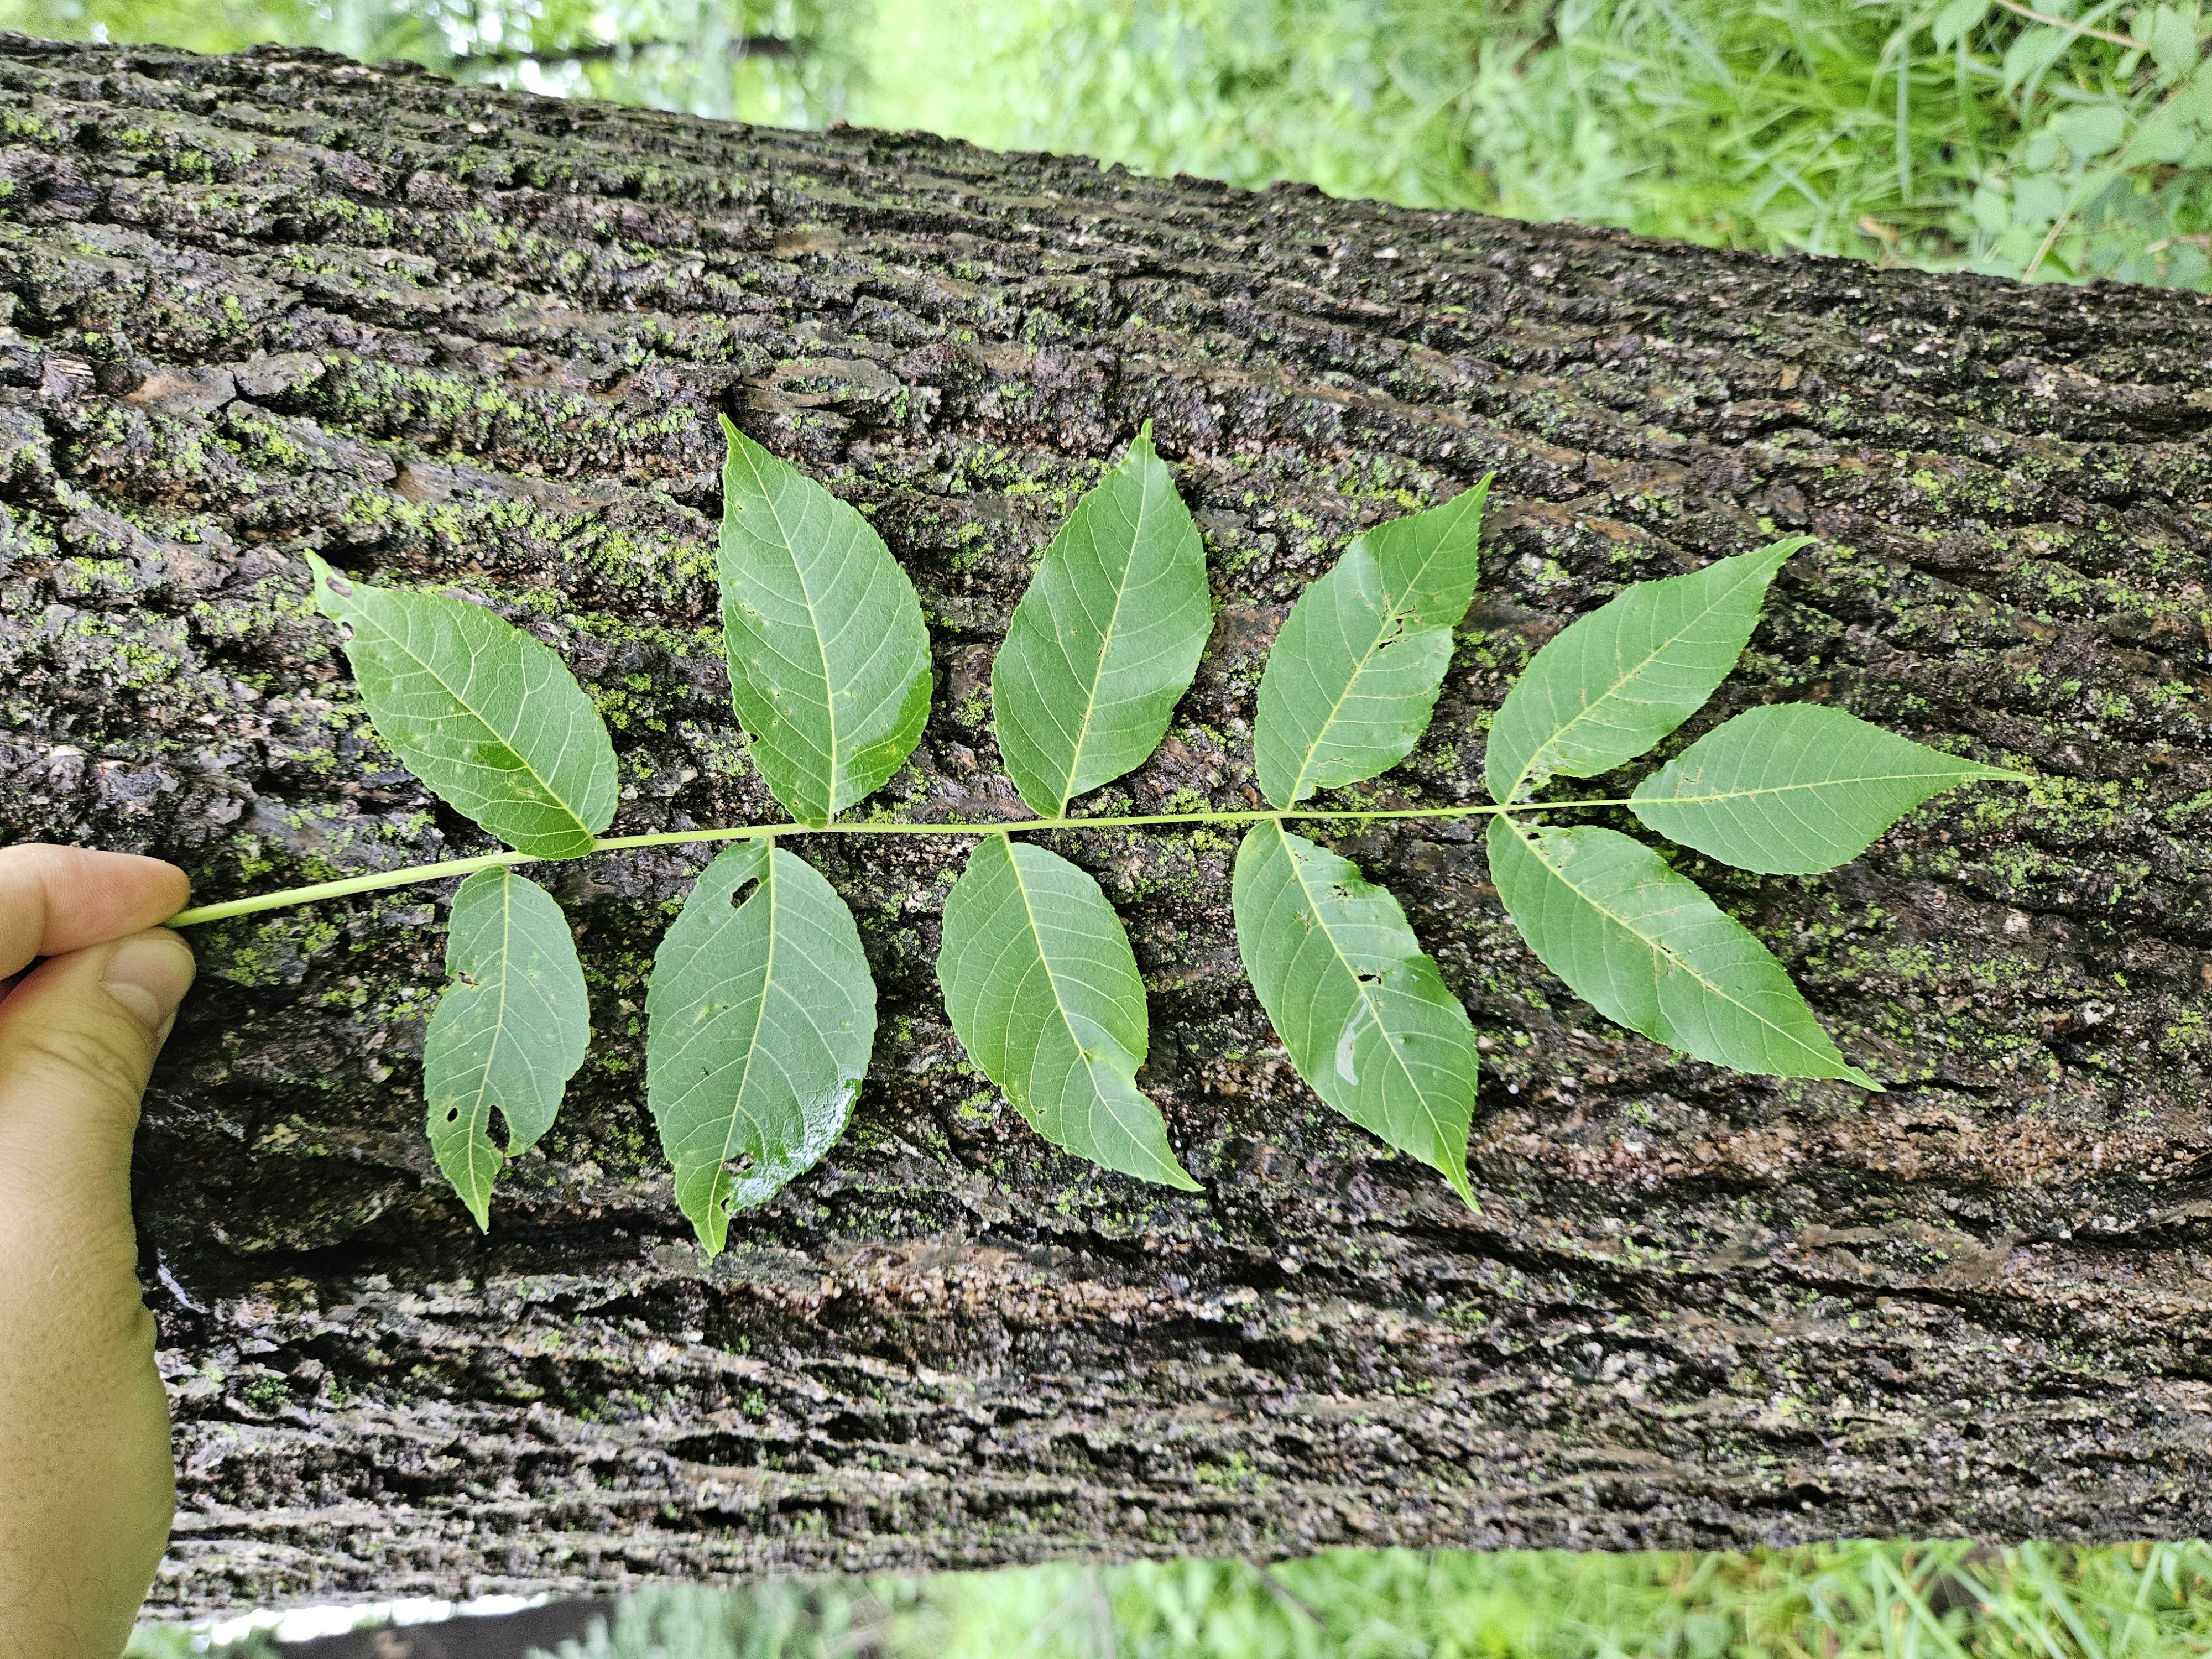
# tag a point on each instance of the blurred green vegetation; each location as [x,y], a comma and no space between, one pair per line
[2027,138]
[1854,1600]
[2039,138]
[1945,133]
[787,63]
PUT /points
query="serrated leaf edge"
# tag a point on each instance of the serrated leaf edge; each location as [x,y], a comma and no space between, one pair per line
[1534,842]
[1780,553]
[1456,1178]
[1393,629]
[324,572]
[1066,792]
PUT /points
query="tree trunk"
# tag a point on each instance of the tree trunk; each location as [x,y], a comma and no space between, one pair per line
[279,301]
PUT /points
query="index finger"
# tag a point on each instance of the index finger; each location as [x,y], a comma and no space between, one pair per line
[54,899]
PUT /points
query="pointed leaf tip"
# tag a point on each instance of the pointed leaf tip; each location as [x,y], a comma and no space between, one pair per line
[509,1033]
[490,719]
[1796,788]
[1042,991]
[1351,680]
[829,657]
[1106,639]
[1611,684]
[1646,948]
[760,1019]
[1369,1022]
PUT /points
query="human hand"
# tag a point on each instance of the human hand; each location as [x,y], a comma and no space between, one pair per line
[87,1491]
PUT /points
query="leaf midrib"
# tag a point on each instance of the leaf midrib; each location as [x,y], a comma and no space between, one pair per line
[813,629]
[1360,985]
[1968,776]
[1105,649]
[1535,847]
[478,715]
[1044,959]
[498,1032]
[1090,1064]
[767,879]
[1395,613]
[1550,745]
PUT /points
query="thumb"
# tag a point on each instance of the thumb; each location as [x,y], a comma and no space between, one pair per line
[86,1490]
[77,1041]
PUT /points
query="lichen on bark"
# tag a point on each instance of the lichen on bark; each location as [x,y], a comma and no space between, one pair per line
[274,303]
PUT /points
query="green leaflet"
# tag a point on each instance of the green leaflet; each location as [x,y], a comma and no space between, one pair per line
[1105,640]
[829,657]
[1646,947]
[1352,681]
[1612,684]
[509,1033]
[1043,992]
[760,1019]
[489,718]
[1796,788]
[1366,1017]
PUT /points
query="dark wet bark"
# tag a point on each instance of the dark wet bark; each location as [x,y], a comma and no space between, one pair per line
[276,302]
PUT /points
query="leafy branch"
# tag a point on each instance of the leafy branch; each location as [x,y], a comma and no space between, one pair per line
[761,1010]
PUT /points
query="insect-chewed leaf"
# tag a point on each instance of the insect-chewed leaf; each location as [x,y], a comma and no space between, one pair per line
[481,711]
[1646,947]
[760,1019]
[507,1033]
[1366,1017]
[1042,989]
[1795,788]
[1351,680]
[1612,684]
[1106,638]
[829,656]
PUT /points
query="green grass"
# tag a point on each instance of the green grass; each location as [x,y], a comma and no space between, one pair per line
[1949,134]
[1853,1601]
[2050,139]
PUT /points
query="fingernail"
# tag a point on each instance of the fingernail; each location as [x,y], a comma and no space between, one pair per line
[150,975]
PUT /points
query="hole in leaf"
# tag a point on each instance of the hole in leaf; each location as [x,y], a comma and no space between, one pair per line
[453,1115]
[743,891]
[742,1165]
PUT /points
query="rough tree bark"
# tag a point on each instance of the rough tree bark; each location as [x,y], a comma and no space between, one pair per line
[276,303]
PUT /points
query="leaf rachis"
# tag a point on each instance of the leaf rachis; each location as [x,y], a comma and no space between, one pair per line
[761,1010]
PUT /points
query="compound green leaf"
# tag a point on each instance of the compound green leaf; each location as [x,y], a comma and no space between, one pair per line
[1366,1017]
[760,1019]
[1042,989]
[1646,947]
[1795,788]
[1104,642]
[509,1033]
[829,656]
[1351,680]
[1612,684]
[489,718]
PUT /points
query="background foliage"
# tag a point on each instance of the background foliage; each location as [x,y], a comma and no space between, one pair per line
[2046,139]
[1854,1600]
